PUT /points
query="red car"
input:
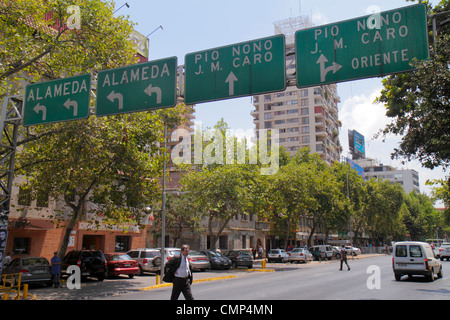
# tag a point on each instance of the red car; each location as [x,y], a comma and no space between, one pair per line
[121,263]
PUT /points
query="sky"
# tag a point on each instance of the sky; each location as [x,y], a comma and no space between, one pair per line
[196,25]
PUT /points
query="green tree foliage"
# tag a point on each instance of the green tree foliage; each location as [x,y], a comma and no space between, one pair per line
[37,43]
[419,101]
[101,170]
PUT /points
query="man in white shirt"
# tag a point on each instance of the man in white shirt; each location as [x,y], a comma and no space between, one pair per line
[182,279]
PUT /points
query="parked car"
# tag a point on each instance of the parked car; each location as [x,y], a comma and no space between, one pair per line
[444,251]
[240,258]
[32,270]
[149,259]
[169,253]
[321,251]
[198,260]
[121,263]
[300,254]
[92,263]
[217,260]
[279,255]
[353,251]
[415,258]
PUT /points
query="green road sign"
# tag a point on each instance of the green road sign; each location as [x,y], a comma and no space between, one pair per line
[58,100]
[370,46]
[144,86]
[242,69]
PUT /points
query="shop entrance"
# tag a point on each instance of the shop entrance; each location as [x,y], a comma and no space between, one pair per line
[93,243]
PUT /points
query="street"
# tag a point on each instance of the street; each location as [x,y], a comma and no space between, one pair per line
[370,278]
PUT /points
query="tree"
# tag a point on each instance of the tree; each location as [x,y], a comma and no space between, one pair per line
[37,43]
[419,102]
[99,168]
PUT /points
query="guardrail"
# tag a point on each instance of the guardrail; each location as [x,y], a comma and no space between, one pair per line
[12,284]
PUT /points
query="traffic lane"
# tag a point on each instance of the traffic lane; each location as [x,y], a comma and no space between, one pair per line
[317,282]
[92,289]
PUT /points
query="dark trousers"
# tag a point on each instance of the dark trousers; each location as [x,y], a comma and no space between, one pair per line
[342,261]
[181,285]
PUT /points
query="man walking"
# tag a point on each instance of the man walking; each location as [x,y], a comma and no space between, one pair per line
[179,270]
[344,257]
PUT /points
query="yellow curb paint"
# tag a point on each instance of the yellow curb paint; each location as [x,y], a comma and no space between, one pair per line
[195,281]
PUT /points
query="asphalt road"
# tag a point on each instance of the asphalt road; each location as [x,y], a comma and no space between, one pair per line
[370,278]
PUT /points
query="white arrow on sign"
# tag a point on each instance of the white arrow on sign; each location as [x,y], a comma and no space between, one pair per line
[150,90]
[116,96]
[73,104]
[231,80]
[324,71]
[40,108]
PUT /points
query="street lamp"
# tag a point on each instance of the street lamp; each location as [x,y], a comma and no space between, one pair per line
[126,4]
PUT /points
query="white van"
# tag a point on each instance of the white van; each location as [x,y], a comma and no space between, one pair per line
[415,258]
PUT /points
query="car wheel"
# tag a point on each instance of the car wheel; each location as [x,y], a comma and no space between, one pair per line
[398,276]
[101,276]
[131,276]
[440,273]
[141,272]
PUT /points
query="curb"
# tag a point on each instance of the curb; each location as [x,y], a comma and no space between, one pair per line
[195,281]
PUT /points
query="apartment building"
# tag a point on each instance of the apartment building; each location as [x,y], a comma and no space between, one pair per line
[407,178]
[305,117]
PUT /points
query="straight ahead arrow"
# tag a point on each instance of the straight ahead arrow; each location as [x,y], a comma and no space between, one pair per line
[231,80]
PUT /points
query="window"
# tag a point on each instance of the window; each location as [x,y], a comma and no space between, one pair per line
[267,124]
[267,98]
[292,111]
[304,93]
[415,251]
[305,139]
[305,111]
[279,121]
[294,120]
[305,129]
[21,245]
[24,198]
[304,102]
[268,115]
[305,120]
[123,244]
[400,251]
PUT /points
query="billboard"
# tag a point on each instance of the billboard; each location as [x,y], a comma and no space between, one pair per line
[356,142]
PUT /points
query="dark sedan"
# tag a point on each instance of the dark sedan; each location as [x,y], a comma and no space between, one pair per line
[217,260]
[32,270]
[240,258]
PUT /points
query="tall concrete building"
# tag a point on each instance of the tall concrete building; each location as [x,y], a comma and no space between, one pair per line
[305,117]
[407,178]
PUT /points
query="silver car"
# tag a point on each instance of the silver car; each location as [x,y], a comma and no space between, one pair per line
[32,270]
[300,255]
[149,259]
[444,251]
[277,255]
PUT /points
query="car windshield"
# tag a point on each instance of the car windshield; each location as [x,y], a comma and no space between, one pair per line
[297,250]
[150,254]
[174,252]
[31,262]
[196,253]
[119,257]
[244,253]
[214,253]
[274,251]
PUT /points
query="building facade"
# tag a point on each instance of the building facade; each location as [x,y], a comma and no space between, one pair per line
[407,178]
[305,117]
